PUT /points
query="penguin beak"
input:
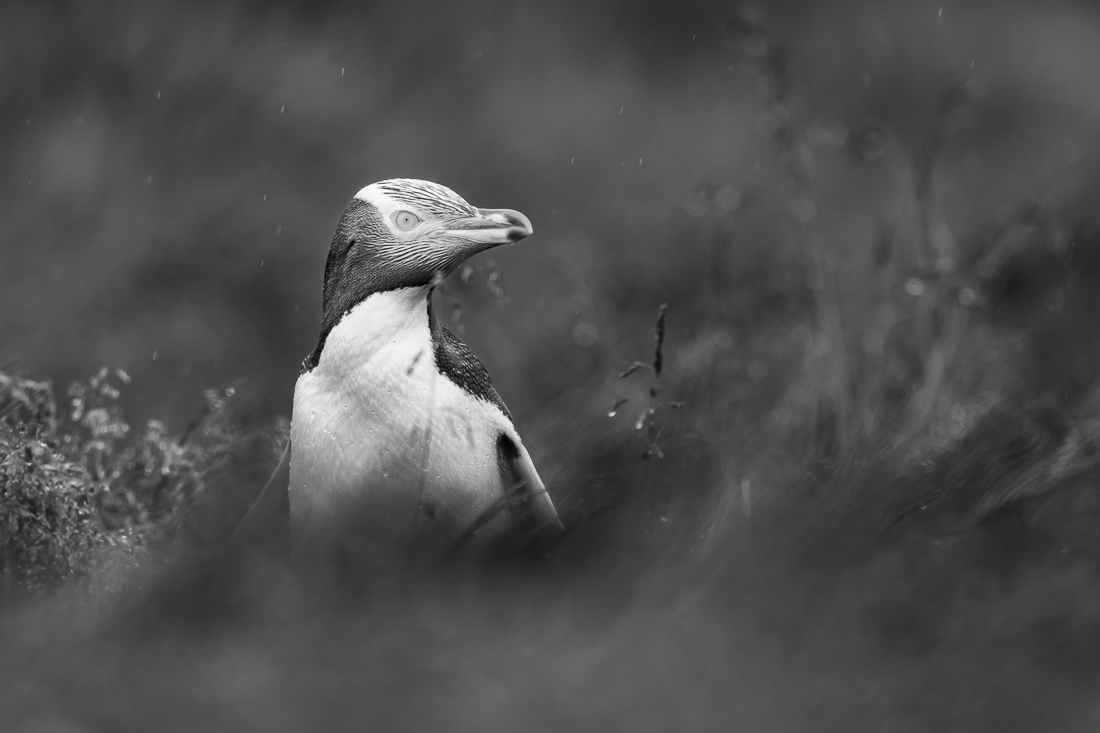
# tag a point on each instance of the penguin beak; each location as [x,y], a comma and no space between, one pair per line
[492,227]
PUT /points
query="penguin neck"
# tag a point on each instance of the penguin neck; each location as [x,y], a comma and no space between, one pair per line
[381,321]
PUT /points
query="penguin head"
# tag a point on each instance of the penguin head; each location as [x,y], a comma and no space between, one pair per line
[402,233]
[436,225]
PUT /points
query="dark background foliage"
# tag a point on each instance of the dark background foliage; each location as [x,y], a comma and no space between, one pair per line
[873,224]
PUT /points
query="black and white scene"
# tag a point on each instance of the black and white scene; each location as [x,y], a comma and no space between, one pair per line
[715,365]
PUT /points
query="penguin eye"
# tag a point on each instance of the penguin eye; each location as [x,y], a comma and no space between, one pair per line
[405,220]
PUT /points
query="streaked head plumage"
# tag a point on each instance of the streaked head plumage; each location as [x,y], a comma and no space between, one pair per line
[436,219]
[424,196]
[401,233]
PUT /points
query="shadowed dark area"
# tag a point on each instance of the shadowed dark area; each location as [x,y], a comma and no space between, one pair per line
[849,483]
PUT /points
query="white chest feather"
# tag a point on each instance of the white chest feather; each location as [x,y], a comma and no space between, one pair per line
[382,444]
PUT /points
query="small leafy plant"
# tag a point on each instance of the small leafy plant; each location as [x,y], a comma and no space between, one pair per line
[78,481]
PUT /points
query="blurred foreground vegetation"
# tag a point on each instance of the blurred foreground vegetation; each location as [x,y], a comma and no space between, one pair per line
[854,488]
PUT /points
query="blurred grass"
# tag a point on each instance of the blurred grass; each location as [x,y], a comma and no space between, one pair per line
[874,227]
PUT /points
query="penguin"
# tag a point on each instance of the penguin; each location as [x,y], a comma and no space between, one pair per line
[400,447]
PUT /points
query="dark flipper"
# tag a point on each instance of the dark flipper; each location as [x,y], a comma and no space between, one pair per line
[524,498]
[534,506]
[266,527]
